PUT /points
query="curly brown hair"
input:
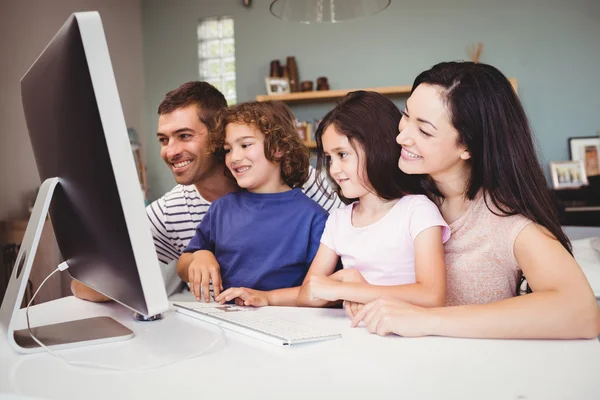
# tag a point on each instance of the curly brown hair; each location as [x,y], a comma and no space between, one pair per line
[275,120]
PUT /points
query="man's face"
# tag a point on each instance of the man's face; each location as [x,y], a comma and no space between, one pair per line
[184,145]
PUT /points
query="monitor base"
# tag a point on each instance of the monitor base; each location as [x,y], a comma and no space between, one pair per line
[142,318]
[64,335]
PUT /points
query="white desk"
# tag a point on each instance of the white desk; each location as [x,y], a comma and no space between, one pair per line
[589,260]
[357,365]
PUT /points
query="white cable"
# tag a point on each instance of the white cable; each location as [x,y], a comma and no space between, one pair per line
[87,364]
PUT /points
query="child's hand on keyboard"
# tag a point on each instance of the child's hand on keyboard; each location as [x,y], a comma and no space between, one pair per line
[244,297]
[203,269]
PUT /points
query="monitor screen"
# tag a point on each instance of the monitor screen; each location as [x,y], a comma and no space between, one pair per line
[78,134]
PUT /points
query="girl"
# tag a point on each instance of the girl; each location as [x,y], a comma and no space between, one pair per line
[390,241]
[465,127]
[258,242]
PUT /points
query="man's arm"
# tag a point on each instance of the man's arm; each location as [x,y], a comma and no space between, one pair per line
[166,251]
[85,292]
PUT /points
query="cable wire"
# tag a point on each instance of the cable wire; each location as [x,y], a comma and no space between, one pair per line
[88,364]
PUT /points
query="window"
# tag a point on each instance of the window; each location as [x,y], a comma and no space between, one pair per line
[216,53]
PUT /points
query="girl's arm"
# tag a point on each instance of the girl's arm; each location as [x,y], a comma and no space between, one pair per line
[562,305]
[322,266]
[430,269]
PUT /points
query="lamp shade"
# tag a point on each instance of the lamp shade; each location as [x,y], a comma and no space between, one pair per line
[320,11]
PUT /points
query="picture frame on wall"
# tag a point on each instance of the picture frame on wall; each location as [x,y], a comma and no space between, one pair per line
[586,149]
[277,85]
[568,174]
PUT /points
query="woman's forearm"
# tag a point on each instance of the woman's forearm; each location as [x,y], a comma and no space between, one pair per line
[540,315]
[414,293]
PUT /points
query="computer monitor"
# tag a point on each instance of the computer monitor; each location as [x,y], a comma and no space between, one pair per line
[90,187]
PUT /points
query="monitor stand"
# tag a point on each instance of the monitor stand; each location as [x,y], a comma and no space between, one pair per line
[57,336]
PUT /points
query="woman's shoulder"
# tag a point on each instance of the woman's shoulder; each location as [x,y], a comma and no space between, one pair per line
[498,218]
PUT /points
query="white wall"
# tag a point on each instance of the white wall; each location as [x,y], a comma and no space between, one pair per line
[26,26]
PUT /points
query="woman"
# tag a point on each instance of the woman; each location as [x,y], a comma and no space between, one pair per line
[465,127]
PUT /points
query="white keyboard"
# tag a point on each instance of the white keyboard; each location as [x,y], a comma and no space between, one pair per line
[247,321]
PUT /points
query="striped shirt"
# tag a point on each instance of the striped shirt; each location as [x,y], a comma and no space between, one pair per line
[175,216]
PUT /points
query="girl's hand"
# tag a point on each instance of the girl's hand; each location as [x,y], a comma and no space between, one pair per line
[385,316]
[348,275]
[351,308]
[244,297]
[321,287]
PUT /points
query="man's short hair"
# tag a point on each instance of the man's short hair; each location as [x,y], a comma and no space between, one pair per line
[205,96]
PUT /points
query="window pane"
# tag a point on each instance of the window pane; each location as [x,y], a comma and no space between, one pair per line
[210,49]
[228,47]
[229,87]
[216,83]
[210,68]
[229,66]
[231,101]
[216,55]
[210,29]
[228,28]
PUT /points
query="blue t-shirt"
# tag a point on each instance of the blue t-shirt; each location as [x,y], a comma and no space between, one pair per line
[261,241]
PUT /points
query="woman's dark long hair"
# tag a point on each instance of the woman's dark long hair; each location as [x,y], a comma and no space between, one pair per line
[370,120]
[492,125]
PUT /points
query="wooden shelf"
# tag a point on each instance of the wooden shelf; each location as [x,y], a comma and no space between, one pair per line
[324,95]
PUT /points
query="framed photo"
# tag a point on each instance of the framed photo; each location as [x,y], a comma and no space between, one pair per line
[568,174]
[277,85]
[586,149]
[304,129]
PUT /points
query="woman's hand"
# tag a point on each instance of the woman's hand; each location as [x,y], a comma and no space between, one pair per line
[352,308]
[384,316]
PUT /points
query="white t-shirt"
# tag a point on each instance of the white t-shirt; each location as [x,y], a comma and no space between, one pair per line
[383,251]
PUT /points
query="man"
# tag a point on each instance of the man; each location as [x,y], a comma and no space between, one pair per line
[185,118]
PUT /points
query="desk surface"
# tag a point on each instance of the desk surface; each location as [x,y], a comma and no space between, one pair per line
[359,364]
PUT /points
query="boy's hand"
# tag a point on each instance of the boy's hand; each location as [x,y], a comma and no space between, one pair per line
[244,297]
[203,269]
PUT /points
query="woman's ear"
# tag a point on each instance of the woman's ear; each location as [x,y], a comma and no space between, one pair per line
[465,155]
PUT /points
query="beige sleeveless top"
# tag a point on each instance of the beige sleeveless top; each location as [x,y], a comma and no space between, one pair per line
[480,260]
